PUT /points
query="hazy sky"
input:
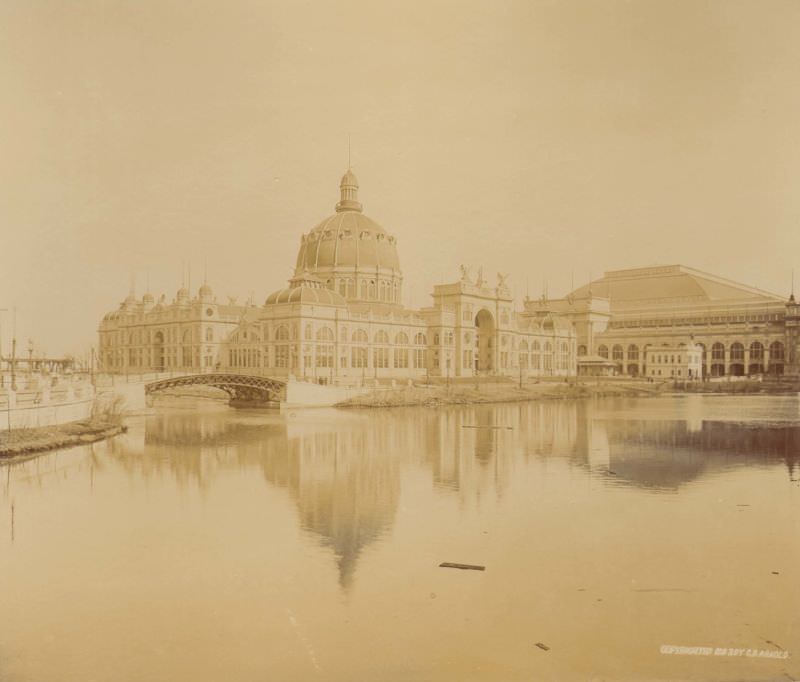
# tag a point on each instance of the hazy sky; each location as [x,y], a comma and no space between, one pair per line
[536,138]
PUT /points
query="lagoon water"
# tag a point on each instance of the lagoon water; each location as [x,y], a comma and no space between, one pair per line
[214,544]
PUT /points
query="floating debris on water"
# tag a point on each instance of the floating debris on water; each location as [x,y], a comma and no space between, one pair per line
[471,567]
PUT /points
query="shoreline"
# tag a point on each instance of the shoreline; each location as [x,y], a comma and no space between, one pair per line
[23,442]
[467,394]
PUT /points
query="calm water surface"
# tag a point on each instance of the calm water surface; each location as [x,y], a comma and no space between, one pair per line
[215,544]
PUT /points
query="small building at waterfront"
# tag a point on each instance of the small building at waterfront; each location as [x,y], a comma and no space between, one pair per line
[682,362]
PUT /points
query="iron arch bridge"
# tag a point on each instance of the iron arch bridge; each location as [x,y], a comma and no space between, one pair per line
[240,387]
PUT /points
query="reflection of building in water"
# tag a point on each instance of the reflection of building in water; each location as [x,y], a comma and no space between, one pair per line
[477,446]
[346,485]
[665,454]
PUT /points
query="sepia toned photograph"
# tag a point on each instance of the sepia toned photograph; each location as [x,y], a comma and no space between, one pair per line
[399,341]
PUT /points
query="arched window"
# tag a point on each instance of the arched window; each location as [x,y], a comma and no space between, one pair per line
[718,351]
[633,353]
[380,353]
[602,351]
[581,350]
[737,352]
[358,353]
[616,353]
[536,358]
[324,347]
[419,351]
[756,365]
[309,334]
[364,289]
[282,333]
[401,350]
[563,355]
[343,287]
[372,289]
[523,354]
[547,357]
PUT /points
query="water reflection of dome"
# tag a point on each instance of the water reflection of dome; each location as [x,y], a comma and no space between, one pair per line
[346,493]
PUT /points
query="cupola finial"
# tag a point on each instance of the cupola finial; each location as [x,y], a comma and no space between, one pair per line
[348,190]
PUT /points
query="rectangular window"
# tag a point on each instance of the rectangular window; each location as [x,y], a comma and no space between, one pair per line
[401,358]
[359,357]
[282,356]
[324,355]
[380,357]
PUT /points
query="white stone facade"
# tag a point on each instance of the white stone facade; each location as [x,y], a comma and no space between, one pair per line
[341,320]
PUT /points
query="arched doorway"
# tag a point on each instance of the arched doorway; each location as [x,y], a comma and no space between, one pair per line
[158,350]
[484,326]
[718,360]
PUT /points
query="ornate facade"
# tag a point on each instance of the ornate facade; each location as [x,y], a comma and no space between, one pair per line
[740,330]
[186,334]
[341,320]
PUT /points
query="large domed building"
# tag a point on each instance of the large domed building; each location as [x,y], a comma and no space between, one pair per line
[341,319]
[351,253]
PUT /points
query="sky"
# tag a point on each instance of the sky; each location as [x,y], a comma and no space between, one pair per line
[552,140]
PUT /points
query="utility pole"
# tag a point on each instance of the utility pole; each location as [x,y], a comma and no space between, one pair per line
[14,350]
[2,380]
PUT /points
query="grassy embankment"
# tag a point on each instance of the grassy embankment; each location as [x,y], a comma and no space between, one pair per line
[469,393]
[25,441]
[739,386]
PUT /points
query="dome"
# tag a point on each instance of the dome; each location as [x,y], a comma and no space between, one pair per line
[348,239]
[148,299]
[206,292]
[306,289]
[183,295]
[351,254]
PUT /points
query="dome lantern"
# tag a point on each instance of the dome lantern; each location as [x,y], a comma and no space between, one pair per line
[348,189]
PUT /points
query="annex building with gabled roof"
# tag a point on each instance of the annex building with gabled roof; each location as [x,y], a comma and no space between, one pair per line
[740,329]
